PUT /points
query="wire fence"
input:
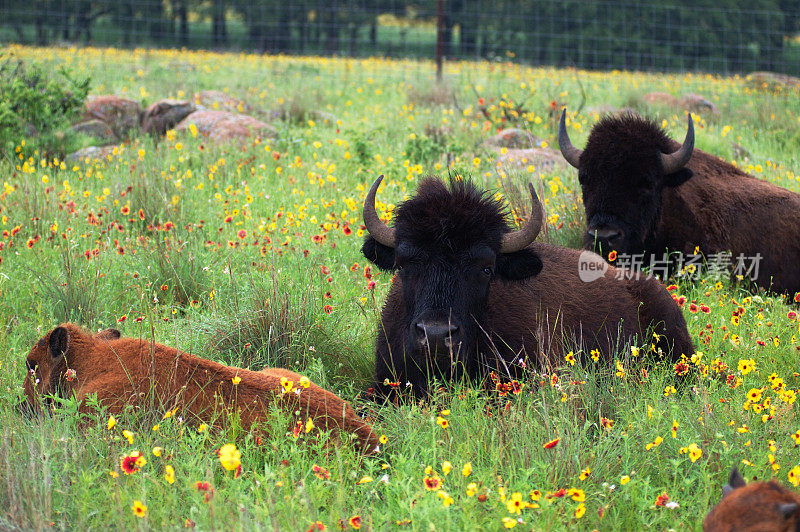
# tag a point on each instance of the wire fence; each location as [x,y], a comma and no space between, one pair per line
[725,36]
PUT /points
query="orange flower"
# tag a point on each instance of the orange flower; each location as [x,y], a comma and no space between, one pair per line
[551,443]
[432,483]
[355,522]
[321,472]
[662,499]
[139,509]
[132,463]
[612,256]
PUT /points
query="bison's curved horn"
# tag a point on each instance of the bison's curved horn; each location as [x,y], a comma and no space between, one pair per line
[676,160]
[517,240]
[379,230]
[570,152]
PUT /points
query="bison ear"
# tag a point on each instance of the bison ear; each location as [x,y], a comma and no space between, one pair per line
[58,342]
[108,334]
[678,178]
[735,480]
[787,509]
[519,265]
[378,254]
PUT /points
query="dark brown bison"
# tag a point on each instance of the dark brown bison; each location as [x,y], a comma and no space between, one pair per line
[646,194]
[754,507]
[70,362]
[471,295]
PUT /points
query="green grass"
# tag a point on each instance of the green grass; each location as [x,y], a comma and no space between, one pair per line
[260,300]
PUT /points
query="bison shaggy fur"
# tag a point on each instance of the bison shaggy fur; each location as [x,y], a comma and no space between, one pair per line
[529,306]
[708,204]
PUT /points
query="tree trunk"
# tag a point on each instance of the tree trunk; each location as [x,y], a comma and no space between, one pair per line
[447,32]
[353,39]
[219,28]
[333,27]
[183,17]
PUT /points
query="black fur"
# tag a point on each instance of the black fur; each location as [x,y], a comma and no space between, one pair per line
[447,251]
[622,179]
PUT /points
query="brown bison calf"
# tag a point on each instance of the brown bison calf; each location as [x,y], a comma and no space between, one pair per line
[68,361]
[758,506]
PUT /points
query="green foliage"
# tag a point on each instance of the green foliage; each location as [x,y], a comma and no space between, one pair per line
[423,148]
[36,106]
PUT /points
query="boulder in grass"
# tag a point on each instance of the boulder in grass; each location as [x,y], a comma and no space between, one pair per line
[219,101]
[222,126]
[90,152]
[698,104]
[96,129]
[166,114]
[773,81]
[514,138]
[120,114]
[544,160]
[660,98]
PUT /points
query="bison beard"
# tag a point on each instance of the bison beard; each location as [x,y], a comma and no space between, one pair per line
[646,194]
[465,302]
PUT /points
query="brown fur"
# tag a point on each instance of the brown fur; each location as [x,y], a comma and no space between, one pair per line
[530,305]
[738,213]
[124,371]
[755,507]
[536,315]
[709,204]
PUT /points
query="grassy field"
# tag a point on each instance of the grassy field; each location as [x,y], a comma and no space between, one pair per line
[249,254]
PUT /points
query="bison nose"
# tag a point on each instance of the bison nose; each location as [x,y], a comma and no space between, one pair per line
[605,235]
[437,334]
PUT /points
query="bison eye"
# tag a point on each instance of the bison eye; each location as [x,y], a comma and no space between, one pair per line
[488,271]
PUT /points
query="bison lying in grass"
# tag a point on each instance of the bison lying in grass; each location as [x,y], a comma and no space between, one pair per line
[472,296]
[755,506]
[68,362]
[645,194]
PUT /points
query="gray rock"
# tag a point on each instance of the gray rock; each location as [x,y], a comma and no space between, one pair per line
[91,152]
[166,114]
[514,138]
[120,114]
[97,129]
[222,126]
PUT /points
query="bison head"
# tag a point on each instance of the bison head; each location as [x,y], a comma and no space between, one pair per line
[754,506]
[48,363]
[448,244]
[626,165]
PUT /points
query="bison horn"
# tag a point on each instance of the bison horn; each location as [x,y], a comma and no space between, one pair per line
[570,152]
[518,240]
[379,230]
[676,160]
